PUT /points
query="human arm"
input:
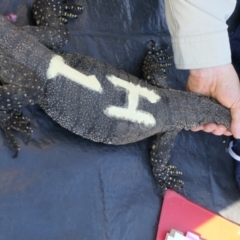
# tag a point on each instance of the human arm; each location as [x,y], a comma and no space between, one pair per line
[200,43]
[222,84]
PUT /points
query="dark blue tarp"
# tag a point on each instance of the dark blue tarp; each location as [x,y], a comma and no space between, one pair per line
[65,187]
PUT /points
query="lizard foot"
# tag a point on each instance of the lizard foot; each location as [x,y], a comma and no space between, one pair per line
[50,16]
[14,120]
[62,9]
[166,178]
[69,11]
[165,175]
[21,124]
[155,64]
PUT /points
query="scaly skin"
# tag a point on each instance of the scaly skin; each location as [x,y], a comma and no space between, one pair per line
[87,97]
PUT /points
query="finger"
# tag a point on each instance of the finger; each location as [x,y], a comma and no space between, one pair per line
[196,129]
[210,127]
[220,130]
[216,129]
[228,133]
[213,128]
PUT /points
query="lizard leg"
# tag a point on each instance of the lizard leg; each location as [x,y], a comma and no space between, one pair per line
[12,97]
[50,16]
[155,64]
[20,86]
[164,174]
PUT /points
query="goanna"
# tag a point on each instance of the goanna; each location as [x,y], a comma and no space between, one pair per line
[93,99]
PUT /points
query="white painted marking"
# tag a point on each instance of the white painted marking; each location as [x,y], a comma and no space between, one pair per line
[137,90]
[130,112]
[58,67]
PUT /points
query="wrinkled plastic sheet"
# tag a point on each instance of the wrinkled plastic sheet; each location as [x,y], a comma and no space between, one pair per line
[65,187]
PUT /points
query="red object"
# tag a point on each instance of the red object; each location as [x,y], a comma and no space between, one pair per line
[183,215]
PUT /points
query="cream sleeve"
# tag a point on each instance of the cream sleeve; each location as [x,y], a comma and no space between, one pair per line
[199,32]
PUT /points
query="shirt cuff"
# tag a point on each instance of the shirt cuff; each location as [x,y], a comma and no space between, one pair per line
[202,51]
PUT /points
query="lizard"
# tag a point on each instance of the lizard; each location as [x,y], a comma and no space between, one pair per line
[93,99]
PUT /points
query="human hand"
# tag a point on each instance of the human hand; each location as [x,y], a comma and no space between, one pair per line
[222,84]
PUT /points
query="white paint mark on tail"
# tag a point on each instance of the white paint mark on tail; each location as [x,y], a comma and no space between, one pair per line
[58,67]
[130,112]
